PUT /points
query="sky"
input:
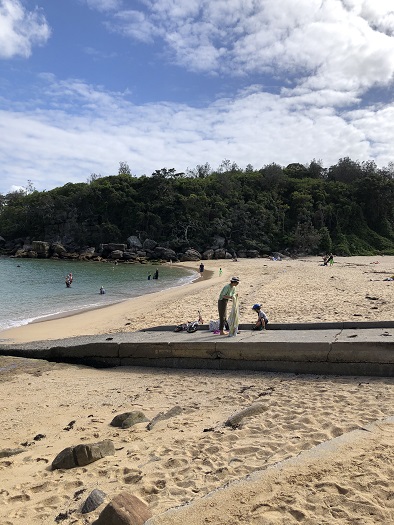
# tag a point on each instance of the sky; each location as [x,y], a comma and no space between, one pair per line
[88,84]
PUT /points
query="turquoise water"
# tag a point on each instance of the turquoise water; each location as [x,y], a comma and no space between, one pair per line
[32,289]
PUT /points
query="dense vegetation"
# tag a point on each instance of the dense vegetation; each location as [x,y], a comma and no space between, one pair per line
[347,208]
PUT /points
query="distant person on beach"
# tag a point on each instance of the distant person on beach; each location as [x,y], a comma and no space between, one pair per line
[227,294]
[330,259]
[201,269]
[220,272]
[149,276]
[262,319]
[156,274]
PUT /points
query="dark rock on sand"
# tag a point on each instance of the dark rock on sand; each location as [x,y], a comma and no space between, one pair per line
[82,455]
[128,419]
[93,501]
[7,452]
[124,509]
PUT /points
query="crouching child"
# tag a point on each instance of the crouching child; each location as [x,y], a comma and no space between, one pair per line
[262,319]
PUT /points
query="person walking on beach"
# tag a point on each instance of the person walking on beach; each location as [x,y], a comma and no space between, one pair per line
[227,294]
[201,269]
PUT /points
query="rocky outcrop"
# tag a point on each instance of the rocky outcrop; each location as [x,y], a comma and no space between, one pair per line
[133,251]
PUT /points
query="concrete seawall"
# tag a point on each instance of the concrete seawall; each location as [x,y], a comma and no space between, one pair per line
[364,349]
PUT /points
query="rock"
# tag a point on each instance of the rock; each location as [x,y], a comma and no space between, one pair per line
[124,509]
[208,254]
[252,254]
[82,455]
[58,249]
[93,501]
[220,253]
[235,420]
[134,242]
[7,452]
[128,419]
[41,248]
[88,253]
[116,254]
[149,244]
[164,253]
[174,411]
[191,255]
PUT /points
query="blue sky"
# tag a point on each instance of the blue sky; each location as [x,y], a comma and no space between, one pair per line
[87,84]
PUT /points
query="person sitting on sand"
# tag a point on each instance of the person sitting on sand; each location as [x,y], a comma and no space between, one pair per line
[226,295]
[262,319]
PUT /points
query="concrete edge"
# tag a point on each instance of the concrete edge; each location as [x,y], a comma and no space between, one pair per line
[320,451]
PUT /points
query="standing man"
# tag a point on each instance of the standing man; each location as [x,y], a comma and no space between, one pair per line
[226,294]
[201,270]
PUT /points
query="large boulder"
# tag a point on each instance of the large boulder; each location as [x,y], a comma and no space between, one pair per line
[58,249]
[252,254]
[134,242]
[191,255]
[149,244]
[208,254]
[41,248]
[220,253]
[87,253]
[164,253]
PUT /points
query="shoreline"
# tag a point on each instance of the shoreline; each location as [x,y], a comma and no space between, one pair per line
[48,327]
[291,291]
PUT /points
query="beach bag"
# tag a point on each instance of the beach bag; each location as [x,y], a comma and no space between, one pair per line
[214,325]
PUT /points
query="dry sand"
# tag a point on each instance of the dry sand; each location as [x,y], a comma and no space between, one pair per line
[184,458]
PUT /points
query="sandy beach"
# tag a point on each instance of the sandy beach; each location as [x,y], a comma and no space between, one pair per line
[271,469]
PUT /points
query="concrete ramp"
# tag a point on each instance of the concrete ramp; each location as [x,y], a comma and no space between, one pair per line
[319,349]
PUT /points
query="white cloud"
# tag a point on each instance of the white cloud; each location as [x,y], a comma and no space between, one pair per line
[54,146]
[20,29]
[104,5]
[346,45]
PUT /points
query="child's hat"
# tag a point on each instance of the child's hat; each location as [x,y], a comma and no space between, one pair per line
[256,306]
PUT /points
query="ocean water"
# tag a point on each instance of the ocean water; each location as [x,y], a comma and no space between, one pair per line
[33,289]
